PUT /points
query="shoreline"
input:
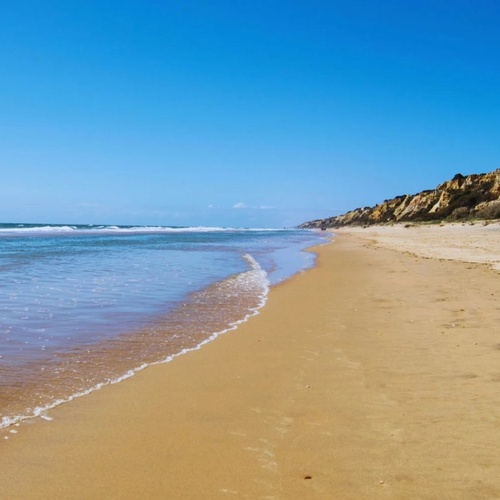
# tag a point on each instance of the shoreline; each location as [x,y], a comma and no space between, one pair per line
[170,355]
[37,384]
[371,375]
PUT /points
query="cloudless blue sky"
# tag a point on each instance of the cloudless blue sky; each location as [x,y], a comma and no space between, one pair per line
[240,113]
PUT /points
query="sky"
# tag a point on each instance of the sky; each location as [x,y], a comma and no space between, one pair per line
[258,113]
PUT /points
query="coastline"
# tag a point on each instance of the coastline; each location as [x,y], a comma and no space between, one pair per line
[90,318]
[372,375]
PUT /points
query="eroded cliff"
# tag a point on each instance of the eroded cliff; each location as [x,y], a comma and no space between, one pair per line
[463,197]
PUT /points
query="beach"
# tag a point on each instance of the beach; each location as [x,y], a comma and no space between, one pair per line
[373,375]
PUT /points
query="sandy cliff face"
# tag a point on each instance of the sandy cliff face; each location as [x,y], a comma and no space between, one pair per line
[471,196]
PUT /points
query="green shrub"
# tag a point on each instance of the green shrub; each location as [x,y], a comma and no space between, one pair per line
[459,213]
[490,211]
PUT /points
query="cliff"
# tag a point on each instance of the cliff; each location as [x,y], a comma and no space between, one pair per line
[463,197]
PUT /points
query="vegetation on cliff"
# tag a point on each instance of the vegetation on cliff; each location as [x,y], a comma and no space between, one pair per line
[475,196]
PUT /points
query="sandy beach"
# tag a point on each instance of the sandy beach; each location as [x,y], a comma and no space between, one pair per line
[374,375]
[466,242]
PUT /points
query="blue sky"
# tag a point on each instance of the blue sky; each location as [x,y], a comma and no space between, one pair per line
[240,113]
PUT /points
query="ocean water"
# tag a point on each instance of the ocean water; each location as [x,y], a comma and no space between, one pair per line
[85,306]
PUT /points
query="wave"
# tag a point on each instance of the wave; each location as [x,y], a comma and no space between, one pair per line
[37,229]
[253,280]
[21,229]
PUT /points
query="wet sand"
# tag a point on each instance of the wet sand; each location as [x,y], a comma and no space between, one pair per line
[374,375]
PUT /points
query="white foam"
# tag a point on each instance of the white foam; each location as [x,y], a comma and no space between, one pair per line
[256,276]
[129,229]
[39,229]
[253,263]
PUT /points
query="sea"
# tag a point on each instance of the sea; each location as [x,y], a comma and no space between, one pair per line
[84,306]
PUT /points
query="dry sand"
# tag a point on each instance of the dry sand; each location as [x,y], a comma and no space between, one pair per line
[466,242]
[374,375]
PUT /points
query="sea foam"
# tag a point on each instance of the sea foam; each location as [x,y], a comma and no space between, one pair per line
[253,280]
[88,306]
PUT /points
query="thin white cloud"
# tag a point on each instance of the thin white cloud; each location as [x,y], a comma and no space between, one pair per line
[261,207]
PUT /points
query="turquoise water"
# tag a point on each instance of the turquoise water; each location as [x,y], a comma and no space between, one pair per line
[83,306]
